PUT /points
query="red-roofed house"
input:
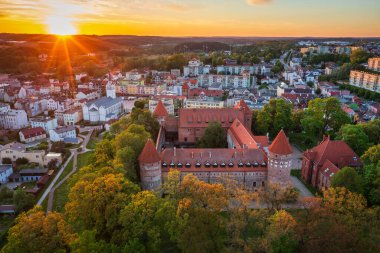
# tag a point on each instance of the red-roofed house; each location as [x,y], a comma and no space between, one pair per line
[337,153]
[238,136]
[32,134]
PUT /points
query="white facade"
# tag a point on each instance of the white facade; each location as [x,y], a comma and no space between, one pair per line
[103,109]
[72,116]
[14,119]
[46,123]
[60,134]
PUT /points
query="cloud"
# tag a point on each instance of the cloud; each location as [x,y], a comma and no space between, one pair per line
[257,2]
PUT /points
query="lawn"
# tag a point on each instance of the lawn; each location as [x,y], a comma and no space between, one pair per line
[92,143]
[61,194]
[297,174]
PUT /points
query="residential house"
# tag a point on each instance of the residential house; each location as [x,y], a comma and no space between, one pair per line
[66,134]
[32,134]
[47,123]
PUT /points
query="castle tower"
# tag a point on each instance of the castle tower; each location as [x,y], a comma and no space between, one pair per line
[150,167]
[160,112]
[242,105]
[280,160]
[111,90]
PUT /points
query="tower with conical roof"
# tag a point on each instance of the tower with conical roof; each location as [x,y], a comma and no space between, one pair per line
[160,112]
[150,167]
[280,154]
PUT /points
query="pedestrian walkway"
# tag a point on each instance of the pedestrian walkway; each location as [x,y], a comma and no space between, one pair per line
[304,192]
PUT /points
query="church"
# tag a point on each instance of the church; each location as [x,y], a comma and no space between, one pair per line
[249,159]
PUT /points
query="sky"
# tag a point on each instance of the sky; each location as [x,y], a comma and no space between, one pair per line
[279,18]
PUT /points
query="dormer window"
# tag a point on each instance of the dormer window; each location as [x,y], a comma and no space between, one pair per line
[255,164]
[248,164]
[179,165]
[164,164]
[231,164]
[172,165]
[198,165]
[207,165]
[188,165]
[263,164]
[215,165]
[240,164]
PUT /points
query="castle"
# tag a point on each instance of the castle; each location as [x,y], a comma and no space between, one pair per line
[249,159]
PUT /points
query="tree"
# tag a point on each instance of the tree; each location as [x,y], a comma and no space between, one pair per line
[372,155]
[281,235]
[355,137]
[278,67]
[96,204]
[349,178]
[36,232]
[372,130]
[87,242]
[274,195]
[322,115]
[22,200]
[126,158]
[359,56]
[135,137]
[7,160]
[214,137]
[141,104]
[104,152]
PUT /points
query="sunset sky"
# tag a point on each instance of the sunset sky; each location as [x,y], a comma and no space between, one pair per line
[354,18]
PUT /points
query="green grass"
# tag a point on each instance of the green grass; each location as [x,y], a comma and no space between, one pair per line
[84,133]
[84,159]
[297,174]
[61,193]
[92,143]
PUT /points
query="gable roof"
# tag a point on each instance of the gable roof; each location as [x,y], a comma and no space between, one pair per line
[241,136]
[281,145]
[32,132]
[338,152]
[149,153]
[243,106]
[160,110]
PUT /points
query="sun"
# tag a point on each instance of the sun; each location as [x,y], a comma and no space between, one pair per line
[60,25]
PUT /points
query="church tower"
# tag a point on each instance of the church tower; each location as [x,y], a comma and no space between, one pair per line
[280,160]
[160,113]
[111,90]
[150,167]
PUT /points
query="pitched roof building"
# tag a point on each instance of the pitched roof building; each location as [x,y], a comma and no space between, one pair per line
[322,161]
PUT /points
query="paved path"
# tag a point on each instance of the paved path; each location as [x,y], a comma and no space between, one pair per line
[74,154]
[39,202]
[304,192]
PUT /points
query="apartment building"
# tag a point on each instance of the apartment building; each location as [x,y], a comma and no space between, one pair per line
[365,80]
[374,64]
[13,119]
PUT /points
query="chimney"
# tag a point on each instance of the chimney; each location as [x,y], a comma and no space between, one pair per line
[192,154]
[174,151]
[201,154]
[235,154]
[210,154]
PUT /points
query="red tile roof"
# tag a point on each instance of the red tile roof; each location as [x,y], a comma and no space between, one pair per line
[209,93]
[242,105]
[281,145]
[32,132]
[149,154]
[241,136]
[160,110]
[202,117]
[338,152]
[217,156]
[185,86]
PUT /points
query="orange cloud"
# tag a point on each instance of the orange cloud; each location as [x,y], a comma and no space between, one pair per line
[256,2]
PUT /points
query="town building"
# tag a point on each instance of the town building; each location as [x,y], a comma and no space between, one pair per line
[17,150]
[66,134]
[374,64]
[320,163]
[103,109]
[195,67]
[72,116]
[365,80]
[32,134]
[13,119]
[47,123]
[167,103]
[203,102]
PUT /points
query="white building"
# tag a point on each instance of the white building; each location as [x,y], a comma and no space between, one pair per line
[65,134]
[17,150]
[13,119]
[195,67]
[374,63]
[103,109]
[72,116]
[111,90]
[168,103]
[46,123]
[32,134]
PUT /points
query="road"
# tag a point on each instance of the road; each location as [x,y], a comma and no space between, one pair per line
[73,155]
[282,60]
